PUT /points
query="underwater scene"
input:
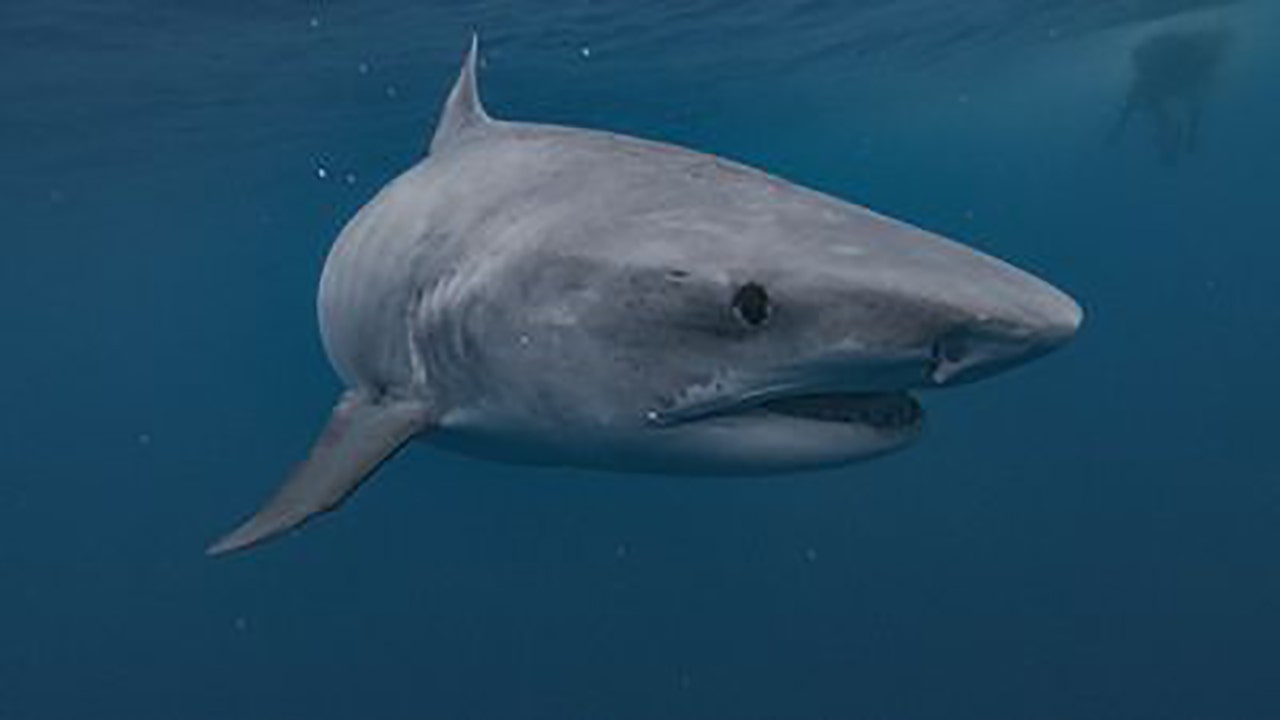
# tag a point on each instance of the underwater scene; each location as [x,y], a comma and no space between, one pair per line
[600,359]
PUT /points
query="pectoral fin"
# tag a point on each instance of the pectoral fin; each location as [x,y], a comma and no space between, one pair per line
[361,434]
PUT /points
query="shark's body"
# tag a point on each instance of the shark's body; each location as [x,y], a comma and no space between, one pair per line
[554,295]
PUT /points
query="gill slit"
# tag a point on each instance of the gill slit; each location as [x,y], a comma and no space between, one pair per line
[417,370]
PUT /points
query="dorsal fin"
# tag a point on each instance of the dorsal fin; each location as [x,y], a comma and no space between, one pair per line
[463,110]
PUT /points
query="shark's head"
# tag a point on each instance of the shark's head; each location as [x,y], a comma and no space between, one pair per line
[744,324]
[634,305]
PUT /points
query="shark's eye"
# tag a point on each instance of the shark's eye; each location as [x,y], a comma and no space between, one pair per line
[751,304]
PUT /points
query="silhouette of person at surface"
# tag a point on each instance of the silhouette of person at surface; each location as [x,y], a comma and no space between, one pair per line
[1173,73]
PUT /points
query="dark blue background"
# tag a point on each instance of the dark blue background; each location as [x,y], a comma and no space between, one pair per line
[1094,536]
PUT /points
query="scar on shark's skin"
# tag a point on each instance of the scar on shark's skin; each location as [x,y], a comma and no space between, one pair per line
[1173,75]
[559,296]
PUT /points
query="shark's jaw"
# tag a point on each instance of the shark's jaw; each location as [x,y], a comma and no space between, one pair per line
[886,412]
[785,430]
[883,411]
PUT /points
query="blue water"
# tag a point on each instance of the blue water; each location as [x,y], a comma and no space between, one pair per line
[1093,536]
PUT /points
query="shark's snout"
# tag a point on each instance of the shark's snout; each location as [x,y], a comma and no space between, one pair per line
[1043,320]
[1060,320]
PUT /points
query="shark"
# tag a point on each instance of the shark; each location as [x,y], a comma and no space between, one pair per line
[549,295]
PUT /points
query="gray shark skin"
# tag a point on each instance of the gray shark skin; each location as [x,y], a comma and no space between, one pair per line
[1173,75]
[550,295]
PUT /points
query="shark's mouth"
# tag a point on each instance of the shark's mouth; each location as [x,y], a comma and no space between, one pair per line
[885,411]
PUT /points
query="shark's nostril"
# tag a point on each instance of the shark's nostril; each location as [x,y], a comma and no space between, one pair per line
[947,349]
[947,357]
